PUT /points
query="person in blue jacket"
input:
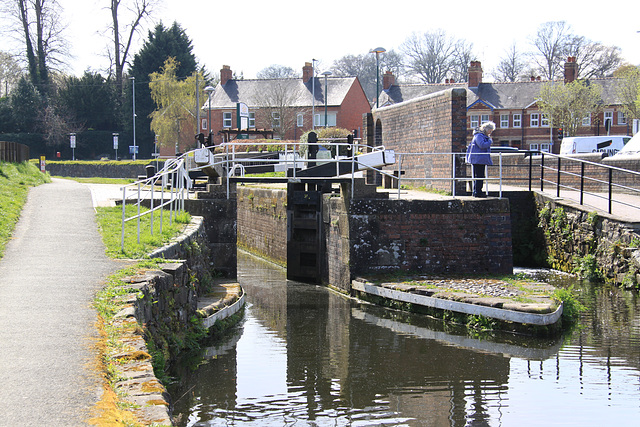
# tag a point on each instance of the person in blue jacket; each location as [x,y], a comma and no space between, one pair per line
[479,155]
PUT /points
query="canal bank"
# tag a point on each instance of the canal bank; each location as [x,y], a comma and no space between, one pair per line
[151,313]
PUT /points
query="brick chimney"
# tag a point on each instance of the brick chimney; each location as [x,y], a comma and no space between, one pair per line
[307,72]
[388,80]
[570,69]
[225,74]
[475,74]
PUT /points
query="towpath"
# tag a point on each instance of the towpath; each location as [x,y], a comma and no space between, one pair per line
[48,276]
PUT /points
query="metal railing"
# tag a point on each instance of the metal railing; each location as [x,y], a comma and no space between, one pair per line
[612,189]
[174,172]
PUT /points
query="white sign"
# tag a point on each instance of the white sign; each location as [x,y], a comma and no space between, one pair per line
[243,109]
[73,140]
[115,142]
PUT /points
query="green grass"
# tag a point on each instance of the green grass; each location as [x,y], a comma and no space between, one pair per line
[15,180]
[110,222]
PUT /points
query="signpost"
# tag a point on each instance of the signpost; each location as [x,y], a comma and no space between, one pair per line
[72,142]
[115,144]
[242,118]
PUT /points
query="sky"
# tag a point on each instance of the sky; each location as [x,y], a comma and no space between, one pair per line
[250,35]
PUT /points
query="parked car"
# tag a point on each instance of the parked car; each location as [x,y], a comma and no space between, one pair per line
[593,144]
[503,149]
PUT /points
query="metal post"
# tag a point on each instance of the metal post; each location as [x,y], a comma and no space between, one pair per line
[610,188]
[453,178]
[530,169]
[558,181]
[138,212]
[542,171]
[581,183]
[152,183]
[124,200]
[133,86]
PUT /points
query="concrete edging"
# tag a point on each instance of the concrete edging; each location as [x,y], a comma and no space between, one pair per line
[225,312]
[460,307]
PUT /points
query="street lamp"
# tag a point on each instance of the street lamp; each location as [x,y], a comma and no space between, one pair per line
[377,51]
[133,90]
[209,90]
[326,95]
[313,93]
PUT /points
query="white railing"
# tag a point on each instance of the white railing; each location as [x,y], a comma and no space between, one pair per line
[174,171]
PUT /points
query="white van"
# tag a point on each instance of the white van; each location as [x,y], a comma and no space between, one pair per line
[593,144]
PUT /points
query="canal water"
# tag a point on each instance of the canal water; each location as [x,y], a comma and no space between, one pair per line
[306,356]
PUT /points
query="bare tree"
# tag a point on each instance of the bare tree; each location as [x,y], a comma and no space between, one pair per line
[275,102]
[594,60]
[511,66]
[364,67]
[136,11]
[628,90]
[434,56]
[550,44]
[40,28]
[10,73]
[277,72]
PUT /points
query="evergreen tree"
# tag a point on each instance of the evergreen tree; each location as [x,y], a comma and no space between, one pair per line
[27,106]
[162,44]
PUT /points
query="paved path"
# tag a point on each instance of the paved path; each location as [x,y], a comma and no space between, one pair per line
[49,274]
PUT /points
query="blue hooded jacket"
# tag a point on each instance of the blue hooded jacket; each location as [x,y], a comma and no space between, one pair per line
[479,151]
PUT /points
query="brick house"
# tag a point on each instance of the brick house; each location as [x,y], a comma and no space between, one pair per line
[283,108]
[513,108]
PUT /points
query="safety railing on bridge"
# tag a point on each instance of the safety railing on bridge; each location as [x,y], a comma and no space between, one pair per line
[603,182]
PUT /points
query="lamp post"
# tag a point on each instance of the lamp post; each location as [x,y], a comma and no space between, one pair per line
[326,95]
[313,93]
[133,89]
[378,51]
[209,90]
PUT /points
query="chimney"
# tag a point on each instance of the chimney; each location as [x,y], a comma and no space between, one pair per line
[388,80]
[475,74]
[225,74]
[307,72]
[570,69]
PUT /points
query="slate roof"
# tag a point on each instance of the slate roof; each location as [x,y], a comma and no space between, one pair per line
[501,96]
[298,94]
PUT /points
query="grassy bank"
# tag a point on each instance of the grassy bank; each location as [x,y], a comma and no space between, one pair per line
[15,180]
[110,223]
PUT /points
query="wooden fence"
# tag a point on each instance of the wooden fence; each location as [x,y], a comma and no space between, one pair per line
[13,152]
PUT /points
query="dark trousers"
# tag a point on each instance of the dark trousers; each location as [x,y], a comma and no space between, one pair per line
[479,175]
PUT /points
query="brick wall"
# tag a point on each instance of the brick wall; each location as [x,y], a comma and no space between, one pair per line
[449,236]
[430,124]
[262,222]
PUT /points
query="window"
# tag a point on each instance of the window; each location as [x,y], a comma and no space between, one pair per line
[545,121]
[622,119]
[546,147]
[331,119]
[275,119]
[475,122]
[204,124]
[586,121]
[226,120]
[252,120]
[504,120]
[484,118]
[517,120]
[535,120]
[300,120]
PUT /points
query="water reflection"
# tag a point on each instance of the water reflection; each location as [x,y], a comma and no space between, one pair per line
[306,356]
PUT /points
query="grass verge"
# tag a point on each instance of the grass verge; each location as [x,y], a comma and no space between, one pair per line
[110,223]
[15,180]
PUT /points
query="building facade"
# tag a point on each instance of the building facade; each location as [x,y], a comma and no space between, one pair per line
[282,108]
[514,110]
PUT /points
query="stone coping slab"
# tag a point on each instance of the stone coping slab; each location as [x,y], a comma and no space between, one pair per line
[489,298]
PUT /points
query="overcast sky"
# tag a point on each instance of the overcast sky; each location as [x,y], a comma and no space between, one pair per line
[250,35]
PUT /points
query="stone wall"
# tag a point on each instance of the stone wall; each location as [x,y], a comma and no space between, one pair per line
[575,236]
[107,169]
[262,223]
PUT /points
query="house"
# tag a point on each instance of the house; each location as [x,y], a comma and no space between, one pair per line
[282,108]
[513,107]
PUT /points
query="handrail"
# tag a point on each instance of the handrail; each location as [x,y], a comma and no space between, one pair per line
[609,184]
